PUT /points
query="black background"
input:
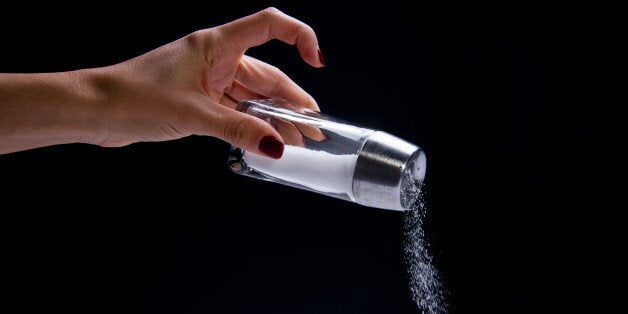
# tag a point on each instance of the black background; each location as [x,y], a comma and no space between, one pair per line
[500,95]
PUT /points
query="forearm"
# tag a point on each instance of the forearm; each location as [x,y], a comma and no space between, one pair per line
[39,110]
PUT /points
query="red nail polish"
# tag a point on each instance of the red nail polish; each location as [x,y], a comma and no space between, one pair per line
[271,146]
[320,57]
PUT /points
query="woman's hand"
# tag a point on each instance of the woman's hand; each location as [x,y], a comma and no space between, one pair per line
[189,86]
[192,85]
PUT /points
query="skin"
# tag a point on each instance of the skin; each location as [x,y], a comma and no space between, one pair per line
[189,86]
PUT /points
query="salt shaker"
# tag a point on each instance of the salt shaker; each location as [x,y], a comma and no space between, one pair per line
[326,156]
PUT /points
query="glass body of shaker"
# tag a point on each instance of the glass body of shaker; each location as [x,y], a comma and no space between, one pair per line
[323,155]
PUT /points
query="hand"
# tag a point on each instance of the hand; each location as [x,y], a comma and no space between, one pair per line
[192,85]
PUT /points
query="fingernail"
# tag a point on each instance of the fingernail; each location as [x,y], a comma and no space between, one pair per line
[271,146]
[320,57]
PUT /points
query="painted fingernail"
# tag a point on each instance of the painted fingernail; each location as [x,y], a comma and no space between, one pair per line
[271,146]
[320,57]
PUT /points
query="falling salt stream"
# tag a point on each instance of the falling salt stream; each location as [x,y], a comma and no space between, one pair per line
[330,173]
[426,287]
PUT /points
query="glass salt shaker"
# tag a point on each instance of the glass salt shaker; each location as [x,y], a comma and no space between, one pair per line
[323,155]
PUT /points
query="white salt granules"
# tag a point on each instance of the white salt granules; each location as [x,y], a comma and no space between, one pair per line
[426,288]
[317,170]
[329,173]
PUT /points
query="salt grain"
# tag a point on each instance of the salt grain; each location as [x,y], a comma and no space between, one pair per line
[426,288]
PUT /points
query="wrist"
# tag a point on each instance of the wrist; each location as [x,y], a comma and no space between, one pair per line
[76,103]
[93,105]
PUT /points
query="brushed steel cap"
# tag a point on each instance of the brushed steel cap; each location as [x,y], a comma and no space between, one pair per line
[379,172]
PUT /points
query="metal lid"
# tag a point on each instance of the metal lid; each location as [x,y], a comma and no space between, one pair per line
[379,171]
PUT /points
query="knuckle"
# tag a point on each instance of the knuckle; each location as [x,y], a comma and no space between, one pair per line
[279,82]
[235,132]
[308,29]
[276,87]
[271,11]
[274,69]
[195,39]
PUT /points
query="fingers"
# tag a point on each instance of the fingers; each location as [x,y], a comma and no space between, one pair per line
[268,81]
[310,131]
[290,134]
[242,130]
[255,79]
[263,26]
[239,93]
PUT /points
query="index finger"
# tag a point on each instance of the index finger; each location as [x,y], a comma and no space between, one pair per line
[268,24]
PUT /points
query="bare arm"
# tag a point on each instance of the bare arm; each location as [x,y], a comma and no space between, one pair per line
[46,109]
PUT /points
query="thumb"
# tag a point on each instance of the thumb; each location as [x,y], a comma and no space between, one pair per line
[248,132]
